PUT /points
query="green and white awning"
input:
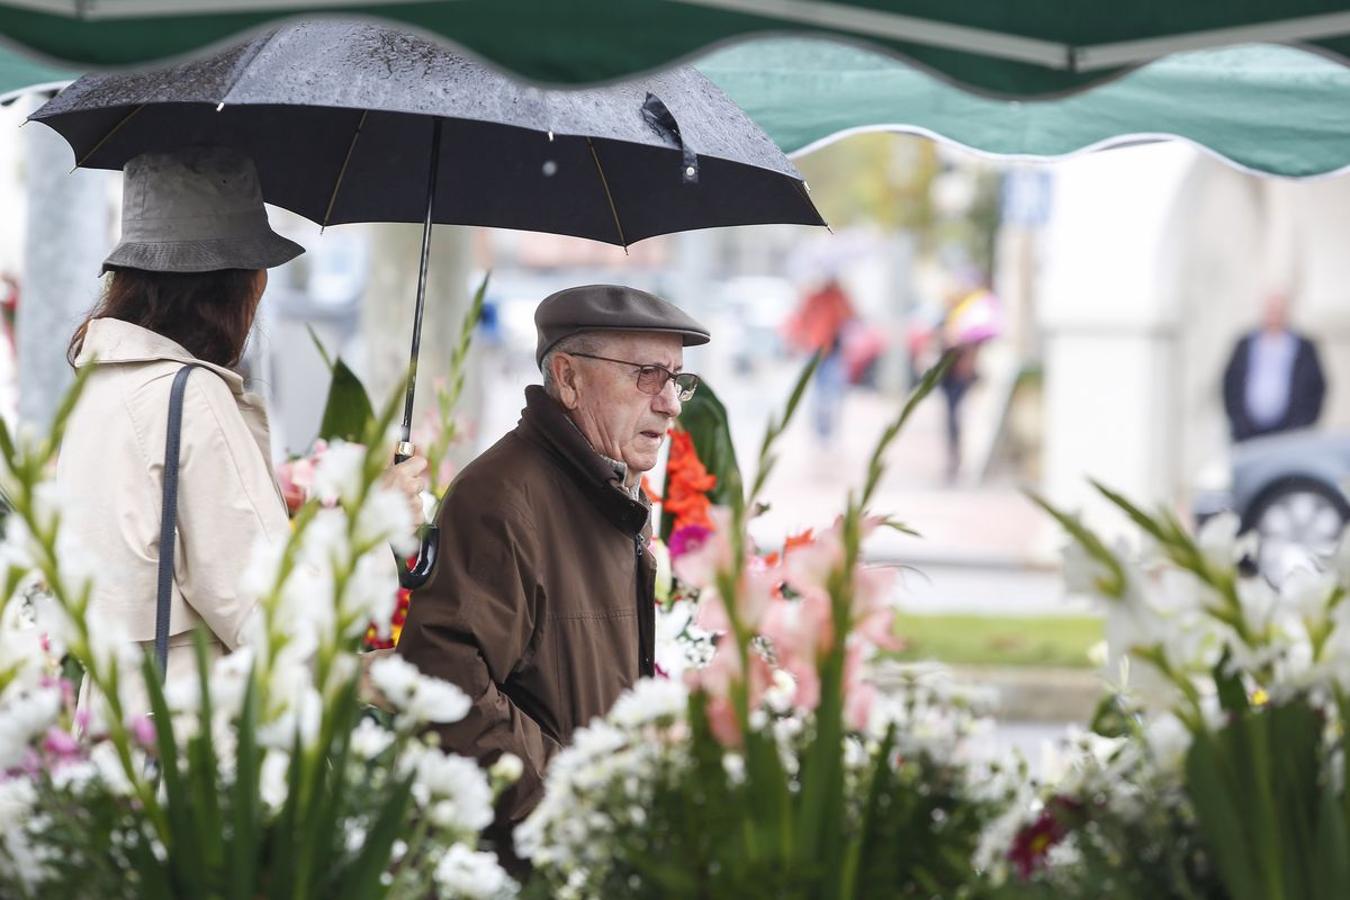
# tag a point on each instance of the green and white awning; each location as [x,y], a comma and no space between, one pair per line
[1000,47]
[1081,75]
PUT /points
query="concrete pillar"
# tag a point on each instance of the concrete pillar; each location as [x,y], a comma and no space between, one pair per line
[69,232]
[387,314]
[1108,323]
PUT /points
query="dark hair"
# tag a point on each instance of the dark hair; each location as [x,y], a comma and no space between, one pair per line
[208,313]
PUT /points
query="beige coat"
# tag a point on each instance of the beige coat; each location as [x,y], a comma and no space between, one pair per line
[111,469]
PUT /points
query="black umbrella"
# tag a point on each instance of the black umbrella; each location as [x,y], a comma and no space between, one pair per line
[353,122]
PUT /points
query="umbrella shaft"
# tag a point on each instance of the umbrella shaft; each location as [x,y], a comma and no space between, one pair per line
[422,280]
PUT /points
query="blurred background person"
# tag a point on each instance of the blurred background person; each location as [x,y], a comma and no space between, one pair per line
[970,318]
[819,326]
[1273,381]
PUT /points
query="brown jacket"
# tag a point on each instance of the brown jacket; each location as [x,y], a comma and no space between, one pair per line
[542,606]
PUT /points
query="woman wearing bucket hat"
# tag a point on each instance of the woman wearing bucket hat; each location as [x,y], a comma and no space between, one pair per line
[185,284]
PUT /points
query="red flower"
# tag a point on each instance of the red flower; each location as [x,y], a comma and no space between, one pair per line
[1034,841]
[687,483]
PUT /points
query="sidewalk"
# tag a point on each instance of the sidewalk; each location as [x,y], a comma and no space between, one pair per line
[987,526]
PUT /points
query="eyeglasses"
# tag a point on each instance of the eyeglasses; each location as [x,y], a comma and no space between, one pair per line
[652,379]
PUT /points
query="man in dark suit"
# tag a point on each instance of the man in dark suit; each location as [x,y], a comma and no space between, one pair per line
[1274,380]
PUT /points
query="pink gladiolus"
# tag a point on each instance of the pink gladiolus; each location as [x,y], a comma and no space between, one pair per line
[697,558]
[711,614]
[715,681]
[59,744]
[296,476]
[801,632]
[873,614]
[808,567]
[722,721]
[859,694]
[758,590]
[143,730]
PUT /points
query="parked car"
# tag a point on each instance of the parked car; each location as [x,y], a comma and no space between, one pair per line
[1292,490]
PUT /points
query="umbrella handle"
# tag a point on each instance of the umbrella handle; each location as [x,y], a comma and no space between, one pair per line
[419,573]
[412,577]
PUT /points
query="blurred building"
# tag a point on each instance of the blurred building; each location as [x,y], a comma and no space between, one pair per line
[1156,258]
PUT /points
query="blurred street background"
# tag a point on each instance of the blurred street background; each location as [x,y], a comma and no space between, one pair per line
[1095,299]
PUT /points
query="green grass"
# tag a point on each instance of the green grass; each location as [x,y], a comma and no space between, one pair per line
[970,640]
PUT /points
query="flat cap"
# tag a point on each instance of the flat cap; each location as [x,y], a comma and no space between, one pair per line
[609,307]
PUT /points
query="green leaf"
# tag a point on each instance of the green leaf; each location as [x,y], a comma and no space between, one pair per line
[1331,875]
[318,345]
[705,418]
[186,868]
[348,412]
[362,878]
[1232,694]
[245,846]
[897,525]
[1216,799]
[1090,542]
[767,458]
[876,466]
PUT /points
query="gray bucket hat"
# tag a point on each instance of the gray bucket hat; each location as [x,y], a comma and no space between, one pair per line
[196,210]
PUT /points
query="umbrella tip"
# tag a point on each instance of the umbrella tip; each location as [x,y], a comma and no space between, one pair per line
[220,106]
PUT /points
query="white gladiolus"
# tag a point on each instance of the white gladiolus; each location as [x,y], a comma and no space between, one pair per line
[370,740]
[435,700]
[272,779]
[651,700]
[395,678]
[19,863]
[385,518]
[337,477]
[454,790]
[470,875]
[26,711]
[665,577]
[508,768]
[371,593]
[1218,540]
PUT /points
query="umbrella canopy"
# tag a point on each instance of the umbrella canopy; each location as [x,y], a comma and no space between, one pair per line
[1269,109]
[1012,49]
[339,118]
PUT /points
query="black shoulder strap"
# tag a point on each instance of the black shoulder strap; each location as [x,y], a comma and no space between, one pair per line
[168,516]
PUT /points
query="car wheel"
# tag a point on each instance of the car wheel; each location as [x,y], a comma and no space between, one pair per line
[1298,522]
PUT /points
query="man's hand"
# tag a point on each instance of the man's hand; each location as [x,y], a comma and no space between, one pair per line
[409,477]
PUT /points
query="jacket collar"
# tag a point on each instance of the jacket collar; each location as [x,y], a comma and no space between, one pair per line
[544,422]
[112,341]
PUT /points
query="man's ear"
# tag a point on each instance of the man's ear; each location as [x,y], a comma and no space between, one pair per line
[565,377]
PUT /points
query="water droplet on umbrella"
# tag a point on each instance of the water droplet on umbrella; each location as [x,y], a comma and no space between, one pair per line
[550,168]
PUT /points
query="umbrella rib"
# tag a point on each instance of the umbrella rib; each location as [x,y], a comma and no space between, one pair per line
[804,191]
[604,182]
[107,137]
[342,173]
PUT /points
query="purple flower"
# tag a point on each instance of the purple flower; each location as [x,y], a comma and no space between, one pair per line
[687,540]
[59,744]
[143,730]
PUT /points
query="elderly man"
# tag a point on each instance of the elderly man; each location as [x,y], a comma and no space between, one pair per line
[542,606]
